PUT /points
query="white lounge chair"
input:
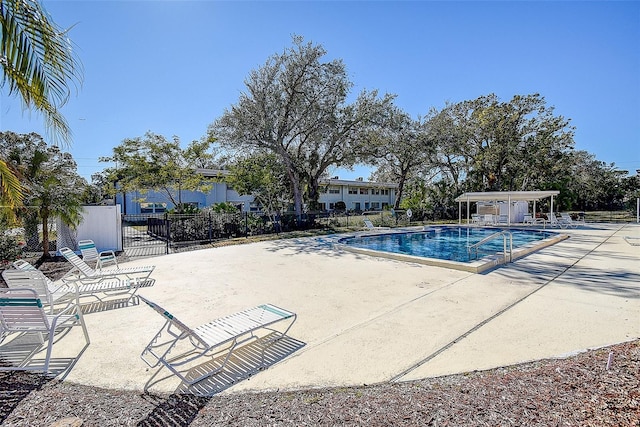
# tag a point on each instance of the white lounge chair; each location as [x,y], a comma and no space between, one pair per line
[489,219]
[633,241]
[98,289]
[90,254]
[566,219]
[530,220]
[370,226]
[217,338]
[82,271]
[554,222]
[21,312]
[49,293]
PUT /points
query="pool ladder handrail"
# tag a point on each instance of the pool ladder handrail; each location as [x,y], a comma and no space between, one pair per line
[504,235]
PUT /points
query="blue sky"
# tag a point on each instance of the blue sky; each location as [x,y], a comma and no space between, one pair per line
[173,67]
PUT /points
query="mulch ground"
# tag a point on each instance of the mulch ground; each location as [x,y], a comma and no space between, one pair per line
[595,388]
[576,391]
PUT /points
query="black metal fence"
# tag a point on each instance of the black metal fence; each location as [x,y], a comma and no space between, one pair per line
[167,232]
[156,234]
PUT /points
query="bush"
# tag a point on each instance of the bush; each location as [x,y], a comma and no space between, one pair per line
[10,250]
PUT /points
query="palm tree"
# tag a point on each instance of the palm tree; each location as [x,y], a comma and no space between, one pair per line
[40,66]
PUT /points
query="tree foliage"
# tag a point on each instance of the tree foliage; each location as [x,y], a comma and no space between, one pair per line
[38,61]
[154,163]
[49,176]
[399,148]
[263,177]
[296,107]
[38,64]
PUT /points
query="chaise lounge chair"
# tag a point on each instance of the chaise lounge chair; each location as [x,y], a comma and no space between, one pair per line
[566,219]
[83,272]
[553,221]
[633,241]
[49,293]
[530,220]
[217,338]
[27,276]
[370,226]
[21,312]
[90,254]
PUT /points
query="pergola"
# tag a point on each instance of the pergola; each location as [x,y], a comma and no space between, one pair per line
[503,196]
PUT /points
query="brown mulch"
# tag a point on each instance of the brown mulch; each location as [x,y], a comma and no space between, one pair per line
[576,391]
[595,388]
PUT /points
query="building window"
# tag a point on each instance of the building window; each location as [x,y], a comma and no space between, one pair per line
[364,191]
[322,190]
[353,190]
[334,190]
[375,206]
[153,207]
[385,192]
[375,191]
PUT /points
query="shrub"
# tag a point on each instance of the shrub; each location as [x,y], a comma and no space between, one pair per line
[10,250]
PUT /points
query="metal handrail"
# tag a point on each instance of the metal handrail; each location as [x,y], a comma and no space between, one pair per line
[504,235]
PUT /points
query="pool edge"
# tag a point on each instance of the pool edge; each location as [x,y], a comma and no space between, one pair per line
[478,266]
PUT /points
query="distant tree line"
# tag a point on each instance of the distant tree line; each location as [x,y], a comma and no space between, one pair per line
[294,123]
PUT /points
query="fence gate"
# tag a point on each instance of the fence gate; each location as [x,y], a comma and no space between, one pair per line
[144,235]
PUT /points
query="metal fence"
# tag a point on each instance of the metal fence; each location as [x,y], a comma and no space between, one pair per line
[149,234]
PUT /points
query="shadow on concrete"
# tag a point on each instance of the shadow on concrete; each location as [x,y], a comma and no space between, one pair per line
[106,305]
[181,407]
[24,350]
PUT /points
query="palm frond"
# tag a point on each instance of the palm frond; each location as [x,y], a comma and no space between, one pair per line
[38,61]
[11,194]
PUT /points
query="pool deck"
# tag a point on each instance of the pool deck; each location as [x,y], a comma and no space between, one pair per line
[365,320]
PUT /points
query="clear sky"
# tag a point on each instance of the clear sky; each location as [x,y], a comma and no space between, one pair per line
[173,67]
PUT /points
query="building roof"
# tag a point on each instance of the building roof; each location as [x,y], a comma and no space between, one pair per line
[324,181]
[356,183]
[503,196]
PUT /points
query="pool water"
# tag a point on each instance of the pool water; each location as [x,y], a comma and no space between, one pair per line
[445,243]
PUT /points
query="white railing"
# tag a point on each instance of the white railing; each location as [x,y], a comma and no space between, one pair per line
[504,234]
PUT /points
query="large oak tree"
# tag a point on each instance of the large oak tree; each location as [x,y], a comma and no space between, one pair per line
[296,106]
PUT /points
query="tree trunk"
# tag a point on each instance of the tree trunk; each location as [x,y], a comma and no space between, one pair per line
[45,234]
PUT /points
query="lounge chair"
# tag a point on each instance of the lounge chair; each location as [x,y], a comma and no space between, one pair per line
[48,293]
[21,312]
[489,219]
[566,219]
[633,241]
[554,222]
[83,272]
[90,254]
[51,292]
[503,219]
[530,220]
[217,338]
[370,226]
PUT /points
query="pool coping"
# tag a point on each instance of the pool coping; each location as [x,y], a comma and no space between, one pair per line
[480,265]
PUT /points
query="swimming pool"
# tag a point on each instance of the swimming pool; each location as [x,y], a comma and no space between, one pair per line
[449,246]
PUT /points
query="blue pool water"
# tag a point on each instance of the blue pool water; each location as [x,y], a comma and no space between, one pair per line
[446,243]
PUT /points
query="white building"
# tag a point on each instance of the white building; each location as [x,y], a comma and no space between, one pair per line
[358,195]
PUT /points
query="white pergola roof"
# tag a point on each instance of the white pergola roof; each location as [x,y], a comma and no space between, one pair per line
[500,196]
[504,196]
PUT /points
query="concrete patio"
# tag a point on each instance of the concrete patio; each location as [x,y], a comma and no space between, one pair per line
[364,320]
